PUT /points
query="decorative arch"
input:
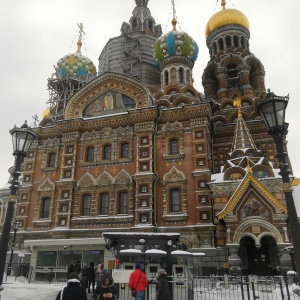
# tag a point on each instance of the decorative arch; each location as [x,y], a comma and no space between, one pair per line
[104,179]
[47,185]
[123,178]
[87,180]
[241,231]
[231,59]
[102,85]
[174,175]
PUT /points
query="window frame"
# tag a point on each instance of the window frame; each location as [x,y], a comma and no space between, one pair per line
[173,146]
[90,152]
[175,200]
[122,209]
[124,152]
[107,152]
[51,160]
[45,210]
[86,209]
[103,207]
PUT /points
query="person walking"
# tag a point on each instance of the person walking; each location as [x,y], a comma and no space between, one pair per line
[73,290]
[77,266]
[99,272]
[70,269]
[84,276]
[138,283]
[91,277]
[162,286]
[106,288]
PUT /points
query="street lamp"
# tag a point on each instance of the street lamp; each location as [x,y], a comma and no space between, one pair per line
[272,109]
[15,227]
[22,139]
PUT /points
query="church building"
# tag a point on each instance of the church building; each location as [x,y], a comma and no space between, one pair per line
[133,146]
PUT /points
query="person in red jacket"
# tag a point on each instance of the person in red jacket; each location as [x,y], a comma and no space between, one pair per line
[138,282]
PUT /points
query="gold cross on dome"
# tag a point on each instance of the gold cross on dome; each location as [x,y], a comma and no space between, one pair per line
[80,26]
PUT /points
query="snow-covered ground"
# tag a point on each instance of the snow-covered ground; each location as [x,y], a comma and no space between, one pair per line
[21,290]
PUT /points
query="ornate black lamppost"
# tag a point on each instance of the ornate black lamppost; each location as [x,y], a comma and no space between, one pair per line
[272,109]
[22,139]
[15,227]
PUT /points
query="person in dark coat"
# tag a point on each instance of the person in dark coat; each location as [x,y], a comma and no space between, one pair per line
[106,289]
[73,291]
[84,276]
[162,286]
[77,266]
[70,269]
[91,277]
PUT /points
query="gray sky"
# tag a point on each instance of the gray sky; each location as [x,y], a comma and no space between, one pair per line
[35,34]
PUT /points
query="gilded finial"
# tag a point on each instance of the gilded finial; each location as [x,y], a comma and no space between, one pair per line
[174,23]
[223,3]
[79,43]
[238,103]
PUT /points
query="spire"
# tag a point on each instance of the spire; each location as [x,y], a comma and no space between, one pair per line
[79,43]
[242,138]
[174,20]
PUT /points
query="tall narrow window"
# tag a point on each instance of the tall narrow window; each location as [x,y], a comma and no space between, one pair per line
[86,205]
[104,204]
[90,153]
[166,77]
[106,152]
[123,203]
[51,160]
[45,208]
[175,200]
[124,150]
[180,75]
[173,146]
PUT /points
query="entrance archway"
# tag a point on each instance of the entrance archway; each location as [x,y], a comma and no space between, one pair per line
[259,260]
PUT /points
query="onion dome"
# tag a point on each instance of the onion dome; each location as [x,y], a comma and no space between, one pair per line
[175,43]
[76,64]
[225,17]
[45,113]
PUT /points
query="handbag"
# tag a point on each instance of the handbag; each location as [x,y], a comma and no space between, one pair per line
[133,291]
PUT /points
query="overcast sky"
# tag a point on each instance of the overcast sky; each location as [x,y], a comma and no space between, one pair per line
[35,34]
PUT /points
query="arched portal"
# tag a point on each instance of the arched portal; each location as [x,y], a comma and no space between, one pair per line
[260,260]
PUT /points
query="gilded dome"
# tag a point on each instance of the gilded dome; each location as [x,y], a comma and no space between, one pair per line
[76,64]
[226,17]
[45,113]
[175,43]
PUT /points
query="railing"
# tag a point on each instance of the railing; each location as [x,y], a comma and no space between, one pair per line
[245,288]
[184,288]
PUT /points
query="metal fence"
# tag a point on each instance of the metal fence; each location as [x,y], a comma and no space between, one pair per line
[245,288]
[185,288]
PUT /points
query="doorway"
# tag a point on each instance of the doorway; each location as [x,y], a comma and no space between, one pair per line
[262,260]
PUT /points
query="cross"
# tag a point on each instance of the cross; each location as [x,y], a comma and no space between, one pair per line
[35,120]
[80,26]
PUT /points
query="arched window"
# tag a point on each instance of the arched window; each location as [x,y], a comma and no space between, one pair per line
[150,25]
[45,208]
[228,41]
[232,71]
[180,75]
[123,198]
[51,160]
[175,200]
[106,152]
[103,204]
[86,205]
[173,146]
[124,150]
[90,153]
[166,77]
[134,23]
